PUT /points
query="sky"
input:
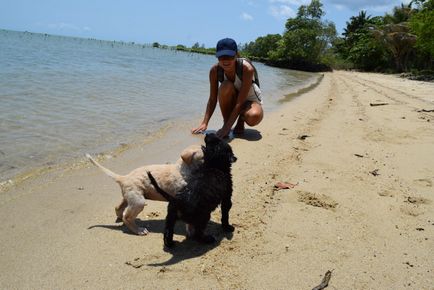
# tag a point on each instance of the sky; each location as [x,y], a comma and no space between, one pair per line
[172,22]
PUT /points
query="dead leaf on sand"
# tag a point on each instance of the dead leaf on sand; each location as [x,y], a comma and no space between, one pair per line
[284,185]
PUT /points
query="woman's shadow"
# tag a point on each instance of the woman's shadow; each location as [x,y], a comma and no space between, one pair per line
[183,250]
[248,134]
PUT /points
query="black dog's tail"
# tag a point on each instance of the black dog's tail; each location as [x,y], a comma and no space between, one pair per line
[159,189]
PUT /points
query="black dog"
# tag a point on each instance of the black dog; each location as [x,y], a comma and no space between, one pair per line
[209,186]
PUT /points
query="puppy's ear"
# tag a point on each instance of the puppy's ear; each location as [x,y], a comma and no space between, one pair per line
[192,154]
[187,155]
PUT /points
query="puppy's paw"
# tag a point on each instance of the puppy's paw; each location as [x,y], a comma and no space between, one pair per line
[142,231]
[169,243]
[228,228]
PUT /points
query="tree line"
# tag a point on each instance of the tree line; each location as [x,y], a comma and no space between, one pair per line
[400,41]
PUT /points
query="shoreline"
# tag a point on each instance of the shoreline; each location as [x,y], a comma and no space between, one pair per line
[375,231]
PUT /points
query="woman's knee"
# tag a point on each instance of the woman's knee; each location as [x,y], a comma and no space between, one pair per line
[254,116]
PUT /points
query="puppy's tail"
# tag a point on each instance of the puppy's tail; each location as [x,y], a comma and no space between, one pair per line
[110,173]
[158,189]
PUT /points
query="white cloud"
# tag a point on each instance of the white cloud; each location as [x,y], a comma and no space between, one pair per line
[339,7]
[246,16]
[282,11]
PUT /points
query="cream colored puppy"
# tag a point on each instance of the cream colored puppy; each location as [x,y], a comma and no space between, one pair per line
[136,186]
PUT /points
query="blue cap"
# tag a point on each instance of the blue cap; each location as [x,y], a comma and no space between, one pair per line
[226,47]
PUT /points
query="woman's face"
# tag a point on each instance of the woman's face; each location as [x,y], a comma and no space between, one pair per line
[227,62]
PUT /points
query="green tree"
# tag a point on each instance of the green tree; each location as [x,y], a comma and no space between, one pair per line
[367,53]
[306,37]
[196,45]
[359,47]
[357,23]
[421,24]
[262,46]
[181,47]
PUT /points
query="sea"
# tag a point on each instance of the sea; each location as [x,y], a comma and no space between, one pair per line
[63,96]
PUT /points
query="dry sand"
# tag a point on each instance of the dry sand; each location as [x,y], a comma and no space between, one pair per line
[363,206]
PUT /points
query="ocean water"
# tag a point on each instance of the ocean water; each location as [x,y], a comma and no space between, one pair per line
[63,96]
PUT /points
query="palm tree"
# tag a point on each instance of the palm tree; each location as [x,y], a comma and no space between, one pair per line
[399,41]
[400,14]
[356,23]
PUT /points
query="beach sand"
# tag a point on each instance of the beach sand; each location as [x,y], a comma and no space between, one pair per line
[359,148]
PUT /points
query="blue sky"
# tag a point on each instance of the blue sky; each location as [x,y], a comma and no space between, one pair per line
[171,22]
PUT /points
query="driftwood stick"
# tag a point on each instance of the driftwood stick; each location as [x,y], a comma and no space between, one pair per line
[378,104]
[324,282]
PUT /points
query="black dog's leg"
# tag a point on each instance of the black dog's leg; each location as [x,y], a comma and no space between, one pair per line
[200,228]
[170,225]
[225,207]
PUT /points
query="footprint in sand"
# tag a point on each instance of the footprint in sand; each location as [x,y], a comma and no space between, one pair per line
[387,192]
[417,200]
[411,210]
[412,206]
[423,182]
[390,136]
[317,200]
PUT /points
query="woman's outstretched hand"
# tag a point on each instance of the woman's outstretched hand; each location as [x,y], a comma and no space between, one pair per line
[199,129]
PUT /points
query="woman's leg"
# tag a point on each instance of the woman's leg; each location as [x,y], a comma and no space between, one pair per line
[252,114]
[227,97]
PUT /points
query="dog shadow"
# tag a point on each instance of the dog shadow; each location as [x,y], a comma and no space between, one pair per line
[153,226]
[182,250]
[188,248]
